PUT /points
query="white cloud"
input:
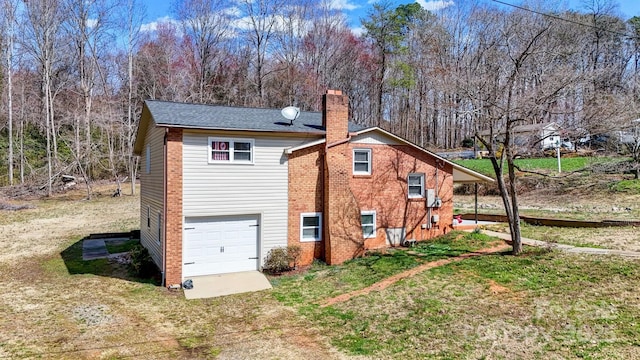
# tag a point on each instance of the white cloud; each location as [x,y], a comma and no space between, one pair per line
[153,26]
[434,5]
[91,23]
[280,23]
[357,31]
[342,5]
[243,23]
[233,11]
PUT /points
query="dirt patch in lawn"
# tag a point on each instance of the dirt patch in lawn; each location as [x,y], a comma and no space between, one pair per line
[496,289]
[616,238]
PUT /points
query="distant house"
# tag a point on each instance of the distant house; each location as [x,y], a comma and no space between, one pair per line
[222,186]
[630,135]
[533,136]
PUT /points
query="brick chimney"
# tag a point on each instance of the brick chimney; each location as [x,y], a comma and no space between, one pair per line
[335,115]
[341,216]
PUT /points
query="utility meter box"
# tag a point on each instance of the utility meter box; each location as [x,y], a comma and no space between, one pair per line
[432,200]
[431,197]
[435,219]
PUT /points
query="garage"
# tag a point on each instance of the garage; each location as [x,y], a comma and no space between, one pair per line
[218,245]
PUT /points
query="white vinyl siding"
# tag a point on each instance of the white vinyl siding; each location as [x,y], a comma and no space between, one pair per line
[228,189]
[159,228]
[374,138]
[147,159]
[151,192]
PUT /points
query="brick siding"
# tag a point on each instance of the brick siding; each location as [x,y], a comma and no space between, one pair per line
[173,221]
[385,191]
[321,180]
[305,196]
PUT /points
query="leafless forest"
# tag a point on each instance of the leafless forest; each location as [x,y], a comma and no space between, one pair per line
[75,72]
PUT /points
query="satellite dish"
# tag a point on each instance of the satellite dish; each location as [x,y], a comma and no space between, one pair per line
[290,113]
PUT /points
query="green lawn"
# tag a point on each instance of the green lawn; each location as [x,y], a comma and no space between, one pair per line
[494,306]
[539,305]
[359,273]
[549,164]
[120,246]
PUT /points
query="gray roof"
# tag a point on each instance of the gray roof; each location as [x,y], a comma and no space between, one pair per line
[216,117]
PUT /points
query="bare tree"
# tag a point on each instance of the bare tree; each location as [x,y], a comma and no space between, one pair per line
[331,56]
[205,24]
[43,19]
[9,10]
[134,13]
[259,24]
[516,77]
[87,25]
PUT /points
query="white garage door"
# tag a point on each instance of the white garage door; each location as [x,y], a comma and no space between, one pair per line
[218,245]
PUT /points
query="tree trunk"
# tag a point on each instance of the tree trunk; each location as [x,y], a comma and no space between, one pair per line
[22,116]
[48,131]
[10,109]
[514,220]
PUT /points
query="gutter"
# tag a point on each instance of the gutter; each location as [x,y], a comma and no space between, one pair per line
[339,142]
[163,241]
[195,127]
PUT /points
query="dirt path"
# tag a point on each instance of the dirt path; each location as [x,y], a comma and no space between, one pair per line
[381,285]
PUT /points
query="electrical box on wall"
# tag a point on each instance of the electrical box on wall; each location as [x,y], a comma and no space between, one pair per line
[431,197]
[435,219]
[432,200]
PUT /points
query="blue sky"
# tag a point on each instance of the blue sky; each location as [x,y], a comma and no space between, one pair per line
[357,9]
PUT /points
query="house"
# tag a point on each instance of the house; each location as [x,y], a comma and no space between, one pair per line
[541,136]
[222,186]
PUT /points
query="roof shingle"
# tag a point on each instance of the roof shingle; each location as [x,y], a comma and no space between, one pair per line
[216,117]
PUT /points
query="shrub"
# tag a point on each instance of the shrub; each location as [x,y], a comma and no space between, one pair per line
[282,259]
[467,143]
[142,264]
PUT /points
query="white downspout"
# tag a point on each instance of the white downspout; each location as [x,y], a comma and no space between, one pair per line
[163,242]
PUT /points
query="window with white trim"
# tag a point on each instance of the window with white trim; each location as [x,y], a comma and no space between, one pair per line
[148,217]
[310,227]
[362,161]
[229,150]
[416,185]
[368,220]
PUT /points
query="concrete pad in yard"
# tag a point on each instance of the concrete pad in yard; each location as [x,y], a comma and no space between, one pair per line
[226,284]
[94,249]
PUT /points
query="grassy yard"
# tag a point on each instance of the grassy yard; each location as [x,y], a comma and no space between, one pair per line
[330,281]
[486,307]
[539,305]
[619,238]
[545,165]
